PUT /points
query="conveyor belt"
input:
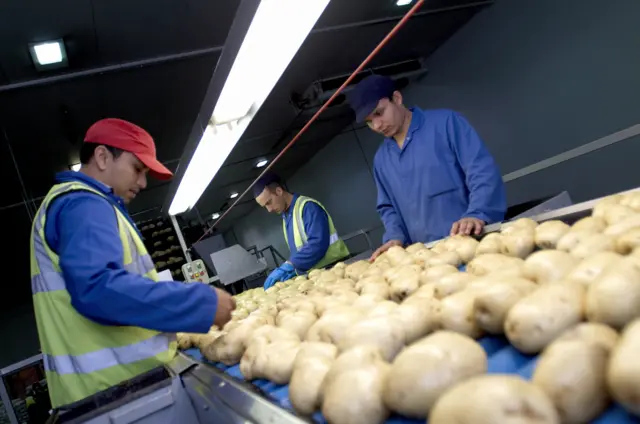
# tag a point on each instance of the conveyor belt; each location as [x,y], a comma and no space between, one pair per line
[503,358]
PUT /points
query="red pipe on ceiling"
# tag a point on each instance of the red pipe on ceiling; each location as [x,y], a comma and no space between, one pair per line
[364,63]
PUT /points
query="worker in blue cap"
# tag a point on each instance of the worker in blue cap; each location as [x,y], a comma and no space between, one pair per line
[308,229]
[435,177]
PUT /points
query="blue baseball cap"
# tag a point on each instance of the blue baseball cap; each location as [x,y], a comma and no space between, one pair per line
[364,97]
[264,181]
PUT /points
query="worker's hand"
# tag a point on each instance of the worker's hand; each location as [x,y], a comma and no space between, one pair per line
[282,273]
[388,245]
[467,226]
[226,304]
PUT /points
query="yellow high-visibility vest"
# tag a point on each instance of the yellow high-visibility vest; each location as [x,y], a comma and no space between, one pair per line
[82,357]
[337,249]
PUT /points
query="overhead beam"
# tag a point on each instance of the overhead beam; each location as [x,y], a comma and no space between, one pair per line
[210,50]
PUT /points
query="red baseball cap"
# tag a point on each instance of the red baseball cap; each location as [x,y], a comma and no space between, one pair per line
[131,138]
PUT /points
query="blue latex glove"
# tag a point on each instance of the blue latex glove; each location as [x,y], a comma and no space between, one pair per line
[283,273]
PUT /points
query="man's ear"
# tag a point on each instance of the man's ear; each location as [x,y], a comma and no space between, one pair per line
[101,156]
[397,98]
[278,191]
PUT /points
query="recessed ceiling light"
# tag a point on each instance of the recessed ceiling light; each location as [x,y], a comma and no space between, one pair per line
[403,2]
[75,167]
[50,54]
[261,163]
[215,216]
[233,195]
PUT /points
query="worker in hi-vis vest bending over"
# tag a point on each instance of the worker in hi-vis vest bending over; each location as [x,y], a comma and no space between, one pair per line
[308,229]
[102,315]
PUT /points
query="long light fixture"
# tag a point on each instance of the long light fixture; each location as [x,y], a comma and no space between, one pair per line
[277,30]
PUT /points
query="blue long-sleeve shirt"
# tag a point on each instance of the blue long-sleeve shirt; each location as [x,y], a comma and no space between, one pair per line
[82,229]
[316,224]
[442,173]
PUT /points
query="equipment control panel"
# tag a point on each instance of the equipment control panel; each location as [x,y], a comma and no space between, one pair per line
[195,272]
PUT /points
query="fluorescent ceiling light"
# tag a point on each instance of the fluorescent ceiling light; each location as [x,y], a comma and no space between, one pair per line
[261,163]
[75,167]
[215,216]
[233,195]
[270,44]
[403,2]
[48,53]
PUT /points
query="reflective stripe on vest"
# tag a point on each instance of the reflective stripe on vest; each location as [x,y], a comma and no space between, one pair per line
[105,358]
[337,249]
[82,357]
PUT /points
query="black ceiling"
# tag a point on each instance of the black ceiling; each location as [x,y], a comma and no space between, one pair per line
[150,62]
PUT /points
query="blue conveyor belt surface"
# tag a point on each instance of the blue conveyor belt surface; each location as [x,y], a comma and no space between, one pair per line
[503,359]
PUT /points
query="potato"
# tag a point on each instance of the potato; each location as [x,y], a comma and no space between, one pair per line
[631,199]
[444,258]
[229,348]
[422,372]
[419,317]
[355,396]
[331,327]
[538,318]
[275,361]
[298,322]
[590,224]
[492,303]
[375,279]
[518,243]
[572,239]
[623,374]
[366,302]
[573,375]
[379,290]
[491,262]
[451,283]
[612,213]
[416,247]
[397,256]
[621,227]
[593,244]
[184,341]
[426,291]
[436,272]
[492,399]
[491,243]
[310,367]
[383,308]
[465,247]
[592,333]
[627,242]
[456,313]
[384,332]
[548,233]
[614,297]
[591,267]
[518,224]
[546,266]
[422,256]
[358,356]
[403,285]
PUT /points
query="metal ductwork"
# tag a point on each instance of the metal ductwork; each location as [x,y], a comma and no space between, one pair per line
[312,98]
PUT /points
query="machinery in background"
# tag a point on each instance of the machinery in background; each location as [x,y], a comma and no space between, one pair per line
[195,272]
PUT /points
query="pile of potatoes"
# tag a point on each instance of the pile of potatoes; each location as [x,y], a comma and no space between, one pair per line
[361,341]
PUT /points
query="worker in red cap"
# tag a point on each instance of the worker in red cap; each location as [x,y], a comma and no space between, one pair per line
[102,315]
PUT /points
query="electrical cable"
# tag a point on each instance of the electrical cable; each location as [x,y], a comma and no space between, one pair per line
[364,63]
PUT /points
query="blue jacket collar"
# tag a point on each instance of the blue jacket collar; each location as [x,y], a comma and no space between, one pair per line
[286,214]
[417,119]
[72,176]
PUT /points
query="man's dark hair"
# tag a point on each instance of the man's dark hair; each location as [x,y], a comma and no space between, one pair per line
[87,150]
